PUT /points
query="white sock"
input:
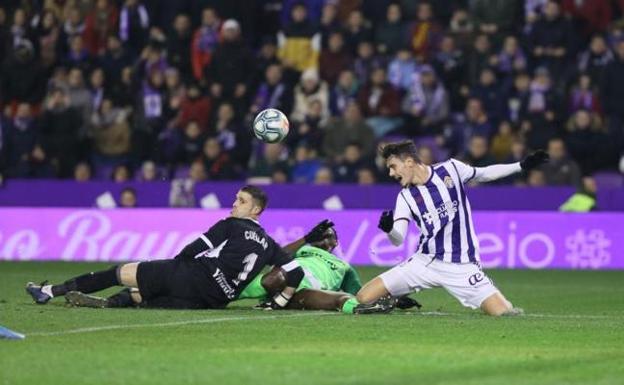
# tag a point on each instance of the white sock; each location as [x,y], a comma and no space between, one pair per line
[47,289]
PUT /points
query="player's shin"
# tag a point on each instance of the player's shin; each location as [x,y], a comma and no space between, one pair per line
[87,283]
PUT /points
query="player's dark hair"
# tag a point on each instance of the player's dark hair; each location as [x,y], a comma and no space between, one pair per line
[258,195]
[401,150]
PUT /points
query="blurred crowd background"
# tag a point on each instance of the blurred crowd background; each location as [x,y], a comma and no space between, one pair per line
[160,89]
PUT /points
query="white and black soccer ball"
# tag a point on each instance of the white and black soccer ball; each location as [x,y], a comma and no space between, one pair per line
[271,125]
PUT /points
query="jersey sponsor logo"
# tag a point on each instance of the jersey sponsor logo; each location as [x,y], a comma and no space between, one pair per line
[448,182]
[225,286]
[443,211]
[475,278]
[252,235]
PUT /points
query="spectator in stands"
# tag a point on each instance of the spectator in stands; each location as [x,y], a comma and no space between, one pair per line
[366,176]
[346,169]
[149,172]
[265,57]
[323,176]
[60,129]
[351,128]
[494,17]
[97,82]
[583,96]
[128,198]
[392,33]
[479,57]
[425,154]
[306,164]
[134,23]
[474,121]
[273,156]
[517,99]
[490,92]
[111,133]
[310,89]
[22,77]
[191,143]
[356,30]
[511,59]
[273,92]
[27,158]
[82,172]
[502,142]
[329,22]
[402,69]
[121,173]
[194,106]
[205,41]
[589,16]
[613,91]
[594,60]
[310,130]
[231,68]
[299,42]
[536,178]
[46,35]
[380,103]
[334,59]
[450,65]
[179,45]
[99,24]
[217,162]
[552,40]
[366,60]
[478,152]
[561,170]
[345,90]
[424,33]
[426,103]
[73,26]
[113,60]
[585,139]
[462,28]
[4,34]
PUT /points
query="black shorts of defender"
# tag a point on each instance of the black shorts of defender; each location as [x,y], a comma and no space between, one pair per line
[172,284]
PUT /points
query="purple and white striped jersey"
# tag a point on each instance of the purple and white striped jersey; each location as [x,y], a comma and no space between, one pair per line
[441,211]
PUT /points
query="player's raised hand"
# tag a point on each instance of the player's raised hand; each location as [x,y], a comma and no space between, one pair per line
[318,232]
[386,221]
[534,159]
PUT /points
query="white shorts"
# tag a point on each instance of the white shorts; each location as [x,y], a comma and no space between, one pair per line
[466,282]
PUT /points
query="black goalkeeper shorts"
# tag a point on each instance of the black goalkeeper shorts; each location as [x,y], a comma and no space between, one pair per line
[172,284]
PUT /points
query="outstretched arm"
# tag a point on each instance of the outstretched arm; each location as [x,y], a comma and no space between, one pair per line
[497,171]
[316,234]
[394,223]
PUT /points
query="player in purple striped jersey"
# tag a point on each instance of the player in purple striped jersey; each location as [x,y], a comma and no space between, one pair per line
[448,251]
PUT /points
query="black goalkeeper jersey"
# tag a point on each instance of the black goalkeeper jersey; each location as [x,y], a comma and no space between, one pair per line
[232,253]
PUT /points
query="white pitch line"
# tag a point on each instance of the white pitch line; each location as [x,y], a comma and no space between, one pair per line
[533,315]
[177,323]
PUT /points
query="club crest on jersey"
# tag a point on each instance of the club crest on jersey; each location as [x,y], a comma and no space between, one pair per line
[448,182]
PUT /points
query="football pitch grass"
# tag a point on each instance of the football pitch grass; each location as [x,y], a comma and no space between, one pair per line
[573,333]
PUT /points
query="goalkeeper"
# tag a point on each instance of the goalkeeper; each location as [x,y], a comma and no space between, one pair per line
[329,282]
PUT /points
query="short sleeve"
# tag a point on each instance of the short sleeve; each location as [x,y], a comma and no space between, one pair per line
[465,171]
[402,210]
[218,233]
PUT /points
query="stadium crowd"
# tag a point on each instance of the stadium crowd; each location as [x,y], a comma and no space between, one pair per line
[159,89]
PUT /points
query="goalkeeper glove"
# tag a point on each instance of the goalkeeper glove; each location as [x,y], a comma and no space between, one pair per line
[534,160]
[386,221]
[318,232]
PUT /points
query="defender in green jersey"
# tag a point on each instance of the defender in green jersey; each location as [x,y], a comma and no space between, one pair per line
[329,282]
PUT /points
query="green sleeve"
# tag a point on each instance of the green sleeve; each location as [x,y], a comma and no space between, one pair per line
[351,282]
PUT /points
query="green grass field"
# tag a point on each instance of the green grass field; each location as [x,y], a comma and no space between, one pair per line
[573,333]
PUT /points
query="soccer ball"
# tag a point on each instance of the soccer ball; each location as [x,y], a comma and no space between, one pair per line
[270,125]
